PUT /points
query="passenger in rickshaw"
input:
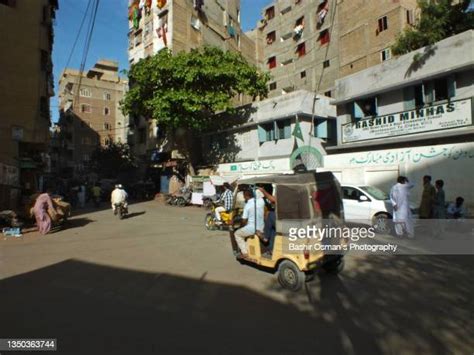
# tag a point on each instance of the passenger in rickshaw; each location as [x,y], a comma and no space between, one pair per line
[252,221]
[270,217]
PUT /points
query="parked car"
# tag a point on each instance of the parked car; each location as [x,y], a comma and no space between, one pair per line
[369,205]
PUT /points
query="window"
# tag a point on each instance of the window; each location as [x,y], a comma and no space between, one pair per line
[300,22]
[413,97]
[107,96]
[283,129]
[298,2]
[303,74]
[301,49]
[328,93]
[85,92]
[86,108]
[410,17]
[383,24]
[364,108]
[271,36]
[324,37]
[350,193]
[272,62]
[386,54]
[273,86]
[274,130]
[324,129]
[270,13]
[107,126]
[326,64]
[106,111]
[266,132]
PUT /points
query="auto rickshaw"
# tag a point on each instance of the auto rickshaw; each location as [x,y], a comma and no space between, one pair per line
[302,200]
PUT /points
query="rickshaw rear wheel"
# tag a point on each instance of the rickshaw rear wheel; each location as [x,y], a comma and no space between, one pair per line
[290,277]
[334,266]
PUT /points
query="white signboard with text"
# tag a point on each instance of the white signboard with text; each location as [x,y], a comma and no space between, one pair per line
[449,115]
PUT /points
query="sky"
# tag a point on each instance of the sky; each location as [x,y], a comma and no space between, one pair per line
[109,40]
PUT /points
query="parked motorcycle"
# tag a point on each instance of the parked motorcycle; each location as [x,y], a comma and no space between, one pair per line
[121,210]
[181,199]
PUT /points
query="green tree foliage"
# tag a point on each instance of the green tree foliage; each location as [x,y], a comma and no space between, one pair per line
[111,160]
[439,19]
[186,89]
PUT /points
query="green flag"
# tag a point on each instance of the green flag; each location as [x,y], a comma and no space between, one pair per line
[297,131]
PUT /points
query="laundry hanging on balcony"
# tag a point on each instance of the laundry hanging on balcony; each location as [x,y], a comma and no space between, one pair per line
[198,4]
[323,11]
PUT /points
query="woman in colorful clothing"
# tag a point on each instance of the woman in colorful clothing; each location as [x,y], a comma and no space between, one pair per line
[43,204]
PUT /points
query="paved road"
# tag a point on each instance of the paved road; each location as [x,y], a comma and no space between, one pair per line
[158,282]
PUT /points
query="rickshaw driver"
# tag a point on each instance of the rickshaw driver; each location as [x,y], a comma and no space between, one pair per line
[252,221]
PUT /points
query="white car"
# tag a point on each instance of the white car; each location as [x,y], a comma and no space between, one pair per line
[368,205]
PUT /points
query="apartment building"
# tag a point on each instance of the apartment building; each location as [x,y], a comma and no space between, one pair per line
[367,30]
[309,44]
[179,25]
[300,45]
[26,84]
[411,116]
[89,113]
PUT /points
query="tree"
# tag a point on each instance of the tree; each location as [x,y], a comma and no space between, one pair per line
[183,92]
[439,19]
[112,160]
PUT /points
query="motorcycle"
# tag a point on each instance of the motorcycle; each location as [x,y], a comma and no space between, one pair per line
[121,210]
[227,219]
[181,199]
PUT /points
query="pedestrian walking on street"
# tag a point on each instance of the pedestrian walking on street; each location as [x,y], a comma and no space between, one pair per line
[43,206]
[402,216]
[427,198]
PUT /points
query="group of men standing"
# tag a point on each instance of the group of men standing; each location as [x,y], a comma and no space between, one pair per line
[432,205]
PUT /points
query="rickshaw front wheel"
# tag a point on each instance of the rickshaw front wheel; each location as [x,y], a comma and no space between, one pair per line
[290,277]
[209,222]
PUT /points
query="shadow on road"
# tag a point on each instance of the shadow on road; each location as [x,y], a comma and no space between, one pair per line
[97,309]
[404,304]
[135,214]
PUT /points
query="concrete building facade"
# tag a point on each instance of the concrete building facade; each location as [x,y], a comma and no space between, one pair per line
[309,44]
[89,114]
[411,115]
[274,136]
[179,25]
[26,84]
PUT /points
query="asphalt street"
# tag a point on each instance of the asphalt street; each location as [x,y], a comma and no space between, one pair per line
[159,282]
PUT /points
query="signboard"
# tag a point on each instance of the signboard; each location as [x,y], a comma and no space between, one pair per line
[449,115]
[267,166]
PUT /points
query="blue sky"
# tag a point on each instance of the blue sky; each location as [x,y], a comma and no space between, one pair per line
[110,34]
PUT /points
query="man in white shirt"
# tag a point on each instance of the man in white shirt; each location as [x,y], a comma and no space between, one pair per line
[119,195]
[402,217]
[252,219]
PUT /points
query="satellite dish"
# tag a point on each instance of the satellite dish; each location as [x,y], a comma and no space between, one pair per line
[306,158]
